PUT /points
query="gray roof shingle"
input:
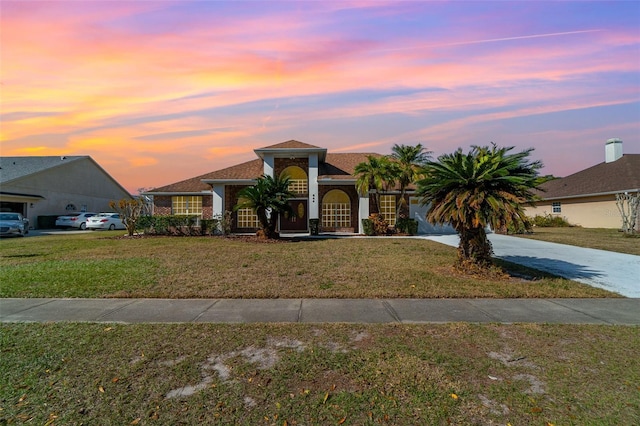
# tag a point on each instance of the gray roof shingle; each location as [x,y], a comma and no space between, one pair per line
[12,168]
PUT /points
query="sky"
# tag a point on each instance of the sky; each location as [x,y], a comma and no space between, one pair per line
[159,92]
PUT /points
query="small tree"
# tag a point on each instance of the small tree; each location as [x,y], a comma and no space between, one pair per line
[409,160]
[268,198]
[486,187]
[130,210]
[627,204]
[377,174]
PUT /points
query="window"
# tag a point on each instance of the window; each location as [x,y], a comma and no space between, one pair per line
[247,218]
[388,208]
[186,205]
[297,180]
[336,209]
[556,207]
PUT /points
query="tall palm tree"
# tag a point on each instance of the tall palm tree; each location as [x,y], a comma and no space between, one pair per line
[268,198]
[486,187]
[377,174]
[410,160]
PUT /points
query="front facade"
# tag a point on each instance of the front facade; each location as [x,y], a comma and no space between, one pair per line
[40,186]
[324,184]
[588,198]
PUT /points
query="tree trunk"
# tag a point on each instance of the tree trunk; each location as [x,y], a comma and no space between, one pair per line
[474,248]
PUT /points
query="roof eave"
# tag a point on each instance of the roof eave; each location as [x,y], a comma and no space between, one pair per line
[295,152]
[596,194]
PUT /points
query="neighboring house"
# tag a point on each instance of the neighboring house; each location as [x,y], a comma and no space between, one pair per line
[588,198]
[49,186]
[324,184]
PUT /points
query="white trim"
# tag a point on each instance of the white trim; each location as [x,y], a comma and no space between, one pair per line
[314,191]
[363,213]
[597,194]
[218,199]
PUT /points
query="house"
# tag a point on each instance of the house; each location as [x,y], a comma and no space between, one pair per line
[51,186]
[324,184]
[588,198]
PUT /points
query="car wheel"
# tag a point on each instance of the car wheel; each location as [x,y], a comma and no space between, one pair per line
[83,226]
[112,227]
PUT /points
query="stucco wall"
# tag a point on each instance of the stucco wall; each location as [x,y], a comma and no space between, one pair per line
[588,212]
[79,183]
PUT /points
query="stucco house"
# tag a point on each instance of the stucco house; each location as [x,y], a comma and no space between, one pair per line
[324,184]
[48,186]
[588,198]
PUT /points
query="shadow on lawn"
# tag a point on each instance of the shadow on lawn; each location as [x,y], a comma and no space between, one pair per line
[560,268]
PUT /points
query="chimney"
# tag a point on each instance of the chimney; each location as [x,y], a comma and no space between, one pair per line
[613,150]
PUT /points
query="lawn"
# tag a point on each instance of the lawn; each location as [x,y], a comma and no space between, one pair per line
[298,374]
[105,265]
[597,238]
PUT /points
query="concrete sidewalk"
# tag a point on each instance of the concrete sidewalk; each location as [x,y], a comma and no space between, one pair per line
[558,311]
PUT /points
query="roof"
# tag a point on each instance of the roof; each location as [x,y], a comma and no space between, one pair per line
[12,168]
[336,167]
[604,178]
[342,166]
[292,144]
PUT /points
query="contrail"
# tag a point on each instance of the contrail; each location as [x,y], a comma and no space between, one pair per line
[494,40]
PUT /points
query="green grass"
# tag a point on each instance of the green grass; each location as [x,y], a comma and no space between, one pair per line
[99,265]
[597,238]
[319,374]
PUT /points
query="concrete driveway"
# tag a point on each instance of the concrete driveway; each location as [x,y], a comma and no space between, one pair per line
[611,271]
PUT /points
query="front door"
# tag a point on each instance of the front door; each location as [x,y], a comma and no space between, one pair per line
[298,222]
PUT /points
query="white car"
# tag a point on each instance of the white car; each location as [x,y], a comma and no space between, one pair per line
[108,221]
[74,220]
[13,224]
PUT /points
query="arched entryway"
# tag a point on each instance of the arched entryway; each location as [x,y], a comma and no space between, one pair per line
[336,210]
[299,185]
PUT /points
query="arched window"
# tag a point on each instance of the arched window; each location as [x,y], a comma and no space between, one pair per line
[298,180]
[336,209]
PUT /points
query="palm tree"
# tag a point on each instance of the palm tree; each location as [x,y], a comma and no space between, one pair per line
[377,174]
[486,187]
[410,160]
[268,198]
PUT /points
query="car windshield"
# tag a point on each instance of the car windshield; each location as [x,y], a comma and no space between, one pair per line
[9,216]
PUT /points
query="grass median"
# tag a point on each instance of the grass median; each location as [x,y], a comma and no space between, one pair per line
[596,238]
[319,374]
[104,265]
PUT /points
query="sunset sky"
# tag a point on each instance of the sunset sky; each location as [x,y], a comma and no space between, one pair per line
[158,92]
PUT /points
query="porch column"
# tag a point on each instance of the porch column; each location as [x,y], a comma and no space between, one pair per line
[269,165]
[314,193]
[363,212]
[218,199]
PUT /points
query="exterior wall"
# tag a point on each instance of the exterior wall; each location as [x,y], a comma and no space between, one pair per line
[588,212]
[350,190]
[79,183]
[161,205]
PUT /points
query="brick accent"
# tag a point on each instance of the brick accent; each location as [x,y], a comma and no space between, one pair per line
[282,163]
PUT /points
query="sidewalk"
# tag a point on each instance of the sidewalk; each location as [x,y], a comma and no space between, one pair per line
[408,311]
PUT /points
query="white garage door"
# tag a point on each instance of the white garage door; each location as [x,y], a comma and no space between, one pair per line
[419,213]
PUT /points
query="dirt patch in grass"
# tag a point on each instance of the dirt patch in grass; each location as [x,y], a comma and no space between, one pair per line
[310,374]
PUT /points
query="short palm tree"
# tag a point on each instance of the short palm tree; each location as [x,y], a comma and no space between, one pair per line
[409,160]
[268,198]
[486,187]
[377,174]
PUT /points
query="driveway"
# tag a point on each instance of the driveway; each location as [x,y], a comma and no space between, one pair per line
[611,271]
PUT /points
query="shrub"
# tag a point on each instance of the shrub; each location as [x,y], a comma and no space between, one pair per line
[407,226]
[550,221]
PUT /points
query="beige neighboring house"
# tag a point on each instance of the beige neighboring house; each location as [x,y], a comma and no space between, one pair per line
[50,186]
[588,198]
